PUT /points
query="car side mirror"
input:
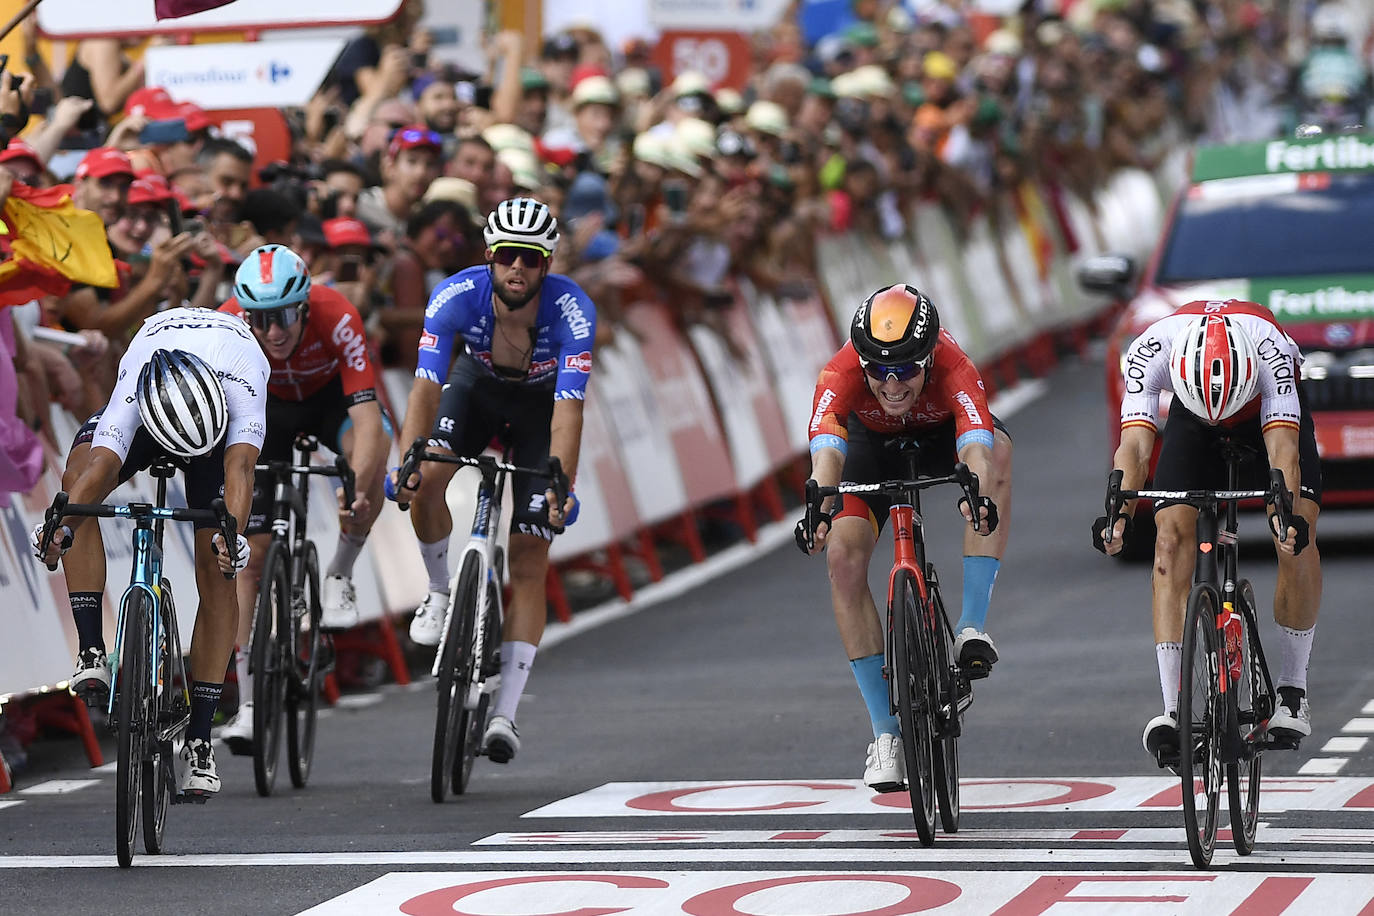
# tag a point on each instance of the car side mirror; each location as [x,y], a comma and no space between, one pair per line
[1111,274]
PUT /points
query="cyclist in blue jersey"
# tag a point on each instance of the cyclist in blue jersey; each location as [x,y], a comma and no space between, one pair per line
[506,349]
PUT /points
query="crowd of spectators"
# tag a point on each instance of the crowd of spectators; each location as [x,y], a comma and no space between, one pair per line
[665,187]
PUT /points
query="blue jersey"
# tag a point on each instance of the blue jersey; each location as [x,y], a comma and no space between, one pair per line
[564,326]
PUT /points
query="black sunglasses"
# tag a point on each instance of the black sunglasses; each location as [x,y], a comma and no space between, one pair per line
[507,255]
[904,372]
[263,319]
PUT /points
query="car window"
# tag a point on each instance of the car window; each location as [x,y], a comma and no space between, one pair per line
[1323,228]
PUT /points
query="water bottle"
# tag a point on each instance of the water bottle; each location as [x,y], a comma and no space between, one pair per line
[1234,635]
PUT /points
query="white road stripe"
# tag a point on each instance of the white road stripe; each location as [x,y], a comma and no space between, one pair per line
[1323,766]
[1174,856]
[10,804]
[358,700]
[1268,836]
[1368,708]
[58,786]
[1344,745]
[1360,726]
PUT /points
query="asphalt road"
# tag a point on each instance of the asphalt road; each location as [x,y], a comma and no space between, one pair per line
[703,756]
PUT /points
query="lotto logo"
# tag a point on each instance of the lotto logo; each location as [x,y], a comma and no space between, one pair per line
[582,362]
[428,341]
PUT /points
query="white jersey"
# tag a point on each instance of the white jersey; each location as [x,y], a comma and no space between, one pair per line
[225,342]
[1146,366]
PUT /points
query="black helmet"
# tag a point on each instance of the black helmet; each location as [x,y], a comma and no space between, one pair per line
[894,326]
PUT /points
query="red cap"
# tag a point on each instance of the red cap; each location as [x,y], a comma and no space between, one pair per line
[150,101]
[102,161]
[194,116]
[19,149]
[414,136]
[151,188]
[344,230]
[582,71]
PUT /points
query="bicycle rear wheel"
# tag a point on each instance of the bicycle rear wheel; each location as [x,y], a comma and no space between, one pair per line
[472,722]
[1249,696]
[1201,716]
[157,766]
[911,669]
[947,718]
[303,693]
[131,708]
[451,744]
[270,664]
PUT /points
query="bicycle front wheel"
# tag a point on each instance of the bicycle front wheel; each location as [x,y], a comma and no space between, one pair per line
[1251,701]
[1201,717]
[270,663]
[911,670]
[947,719]
[131,708]
[303,694]
[451,744]
[158,776]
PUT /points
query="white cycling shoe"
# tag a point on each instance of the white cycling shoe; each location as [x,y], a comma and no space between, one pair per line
[338,603]
[237,733]
[885,766]
[501,741]
[427,626]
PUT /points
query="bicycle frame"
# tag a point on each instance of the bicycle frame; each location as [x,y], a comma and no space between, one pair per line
[291,499]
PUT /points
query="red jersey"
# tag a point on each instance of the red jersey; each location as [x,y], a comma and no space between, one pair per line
[953,389]
[332,344]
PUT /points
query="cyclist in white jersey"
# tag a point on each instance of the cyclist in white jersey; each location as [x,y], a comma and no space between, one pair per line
[192,386]
[1233,372]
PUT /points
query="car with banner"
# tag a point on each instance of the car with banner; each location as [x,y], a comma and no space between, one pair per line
[1285,223]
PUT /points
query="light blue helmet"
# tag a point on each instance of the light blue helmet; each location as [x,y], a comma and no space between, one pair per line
[271,277]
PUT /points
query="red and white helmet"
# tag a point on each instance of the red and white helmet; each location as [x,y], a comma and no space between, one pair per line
[1214,367]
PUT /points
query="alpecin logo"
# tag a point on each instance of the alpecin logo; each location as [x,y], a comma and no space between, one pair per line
[582,362]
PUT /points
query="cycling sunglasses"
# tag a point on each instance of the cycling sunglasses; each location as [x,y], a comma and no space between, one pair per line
[903,372]
[507,255]
[416,135]
[263,319]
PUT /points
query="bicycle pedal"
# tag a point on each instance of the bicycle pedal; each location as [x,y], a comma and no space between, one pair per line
[975,669]
[187,798]
[886,788]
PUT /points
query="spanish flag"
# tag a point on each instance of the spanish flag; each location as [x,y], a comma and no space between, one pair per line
[47,244]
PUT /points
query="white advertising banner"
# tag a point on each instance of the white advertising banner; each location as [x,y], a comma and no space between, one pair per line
[267,74]
[712,15]
[87,19]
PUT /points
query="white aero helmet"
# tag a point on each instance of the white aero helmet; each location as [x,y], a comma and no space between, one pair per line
[1214,367]
[182,403]
[522,221]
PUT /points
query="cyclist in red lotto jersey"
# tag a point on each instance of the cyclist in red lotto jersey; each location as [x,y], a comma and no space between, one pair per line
[901,375]
[322,383]
[1233,372]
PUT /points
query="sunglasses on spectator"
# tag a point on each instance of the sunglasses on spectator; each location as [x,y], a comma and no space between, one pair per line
[903,372]
[448,235]
[507,255]
[416,135]
[263,319]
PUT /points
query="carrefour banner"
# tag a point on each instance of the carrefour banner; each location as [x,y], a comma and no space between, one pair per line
[257,74]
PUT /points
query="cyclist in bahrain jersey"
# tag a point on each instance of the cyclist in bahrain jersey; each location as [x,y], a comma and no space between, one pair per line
[192,386]
[901,375]
[1233,372]
[323,383]
[526,338]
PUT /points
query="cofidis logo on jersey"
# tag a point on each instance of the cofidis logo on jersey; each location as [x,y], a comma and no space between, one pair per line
[582,362]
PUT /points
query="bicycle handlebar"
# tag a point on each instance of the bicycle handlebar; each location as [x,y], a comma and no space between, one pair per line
[815,493]
[1276,495]
[218,514]
[418,452]
[340,469]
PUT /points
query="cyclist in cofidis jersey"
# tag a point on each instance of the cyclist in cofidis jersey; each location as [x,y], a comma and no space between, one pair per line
[191,387]
[323,383]
[1233,372]
[506,346]
[901,375]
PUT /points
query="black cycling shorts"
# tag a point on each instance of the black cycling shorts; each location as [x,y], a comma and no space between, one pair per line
[204,473]
[1189,457]
[870,459]
[476,408]
[323,415]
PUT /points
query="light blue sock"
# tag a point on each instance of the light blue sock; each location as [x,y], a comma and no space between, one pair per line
[980,573]
[868,671]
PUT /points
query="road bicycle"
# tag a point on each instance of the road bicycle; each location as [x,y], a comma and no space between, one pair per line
[1225,693]
[150,702]
[468,656]
[290,654]
[929,690]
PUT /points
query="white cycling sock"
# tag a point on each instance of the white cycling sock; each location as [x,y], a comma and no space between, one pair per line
[346,554]
[241,671]
[1295,648]
[516,660]
[436,564]
[1169,655]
